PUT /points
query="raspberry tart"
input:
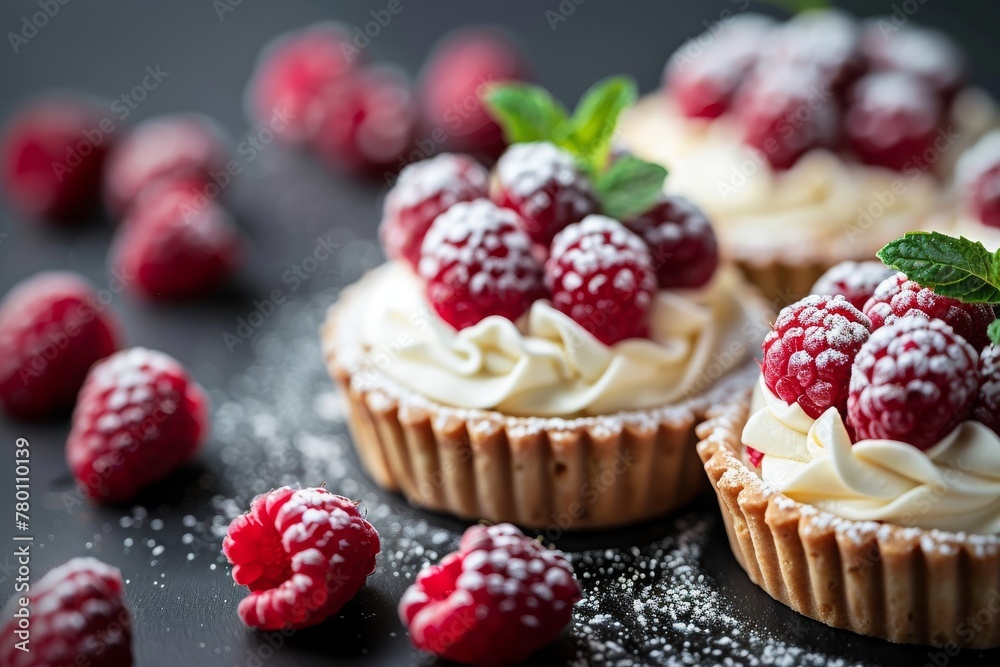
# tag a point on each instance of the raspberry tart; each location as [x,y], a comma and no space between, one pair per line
[813,141]
[860,481]
[544,358]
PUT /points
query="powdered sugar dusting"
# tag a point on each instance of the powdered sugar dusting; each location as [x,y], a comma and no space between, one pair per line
[447,176]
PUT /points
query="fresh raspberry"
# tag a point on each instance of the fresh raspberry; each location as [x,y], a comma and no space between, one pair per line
[53,152]
[424,191]
[977,176]
[495,601]
[176,242]
[602,276]
[808,354]
[987,408]
[368,120]
[303,553]
[898,297]
[914,381]
[681,240]
[292,73]
[856,281]
[166,147]
[827,41]
[77,618]
[787,110]
[704,73]
[893,118]
[478,261]
[139,416]
[546,188]
[53,327]
[454,79]
[929,54]
[754,456]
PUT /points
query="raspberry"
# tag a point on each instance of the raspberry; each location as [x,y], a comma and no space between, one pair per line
[808,354]
[303,553]
[892,119]
[164,147]
[977,175]
[53,152]
[52,329]
[139,416]
[478,261]
[987,407]
[926,53]
[368,120]
[914,381]
[292,74]
[495,601]
[424,191]
[856,281]
[827,41]
[702,80]
[546,188]
[602,276]
[452,83]
[898,297]
[176,243]
[78,617]
[681,240]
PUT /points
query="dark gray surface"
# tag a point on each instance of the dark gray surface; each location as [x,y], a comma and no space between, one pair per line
[286,203]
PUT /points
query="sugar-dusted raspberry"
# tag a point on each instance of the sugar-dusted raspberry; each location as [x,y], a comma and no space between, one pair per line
[139,416]
[292,73]
[927,53]
[176,243]
[544,185]
[602,275]
[303,553]
[808,354]
[424,191]
[495,601]
[856,281]
[914,381]
[170,146]
[53,327]
[897,297]
[703,74]
[987,407]
[977,177]
[681,240]
[77,617]
[53,152]
[827,40]
[478,261]
[892,119]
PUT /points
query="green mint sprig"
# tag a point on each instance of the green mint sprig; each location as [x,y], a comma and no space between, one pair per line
[626,186]
[798,6]
[955,267]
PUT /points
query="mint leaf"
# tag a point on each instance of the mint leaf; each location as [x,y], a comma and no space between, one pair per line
[796,6]
[589,132]
[524,112]
[955,267]
[994,332]
[629,186]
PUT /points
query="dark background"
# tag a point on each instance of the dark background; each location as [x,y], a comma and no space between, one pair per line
[286,202]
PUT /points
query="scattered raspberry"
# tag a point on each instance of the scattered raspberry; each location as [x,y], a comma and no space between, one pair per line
[478,261]
[898,297]
[303,553]
[892,119]
[546,188]
[53,152]
[457,73]
[987,407]
[808,355]
[139,416]
[424,191]
[754,456]
[176,242]
[293,73]
[53,327]
[78,617]
[495,601]
[914,381]
[856,281]
[169,146]
[368,120]
[828,41]
[703,74]
[681,240]
[927,53]
[602,276]
[977,175]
